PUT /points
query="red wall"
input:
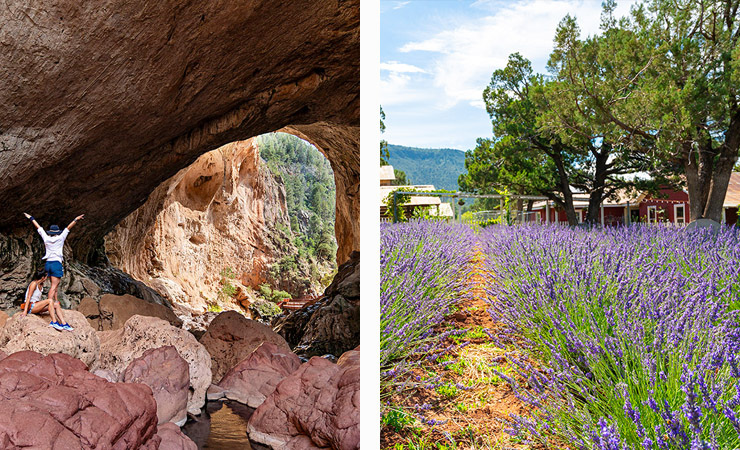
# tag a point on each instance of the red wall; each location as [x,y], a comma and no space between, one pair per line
[731,216]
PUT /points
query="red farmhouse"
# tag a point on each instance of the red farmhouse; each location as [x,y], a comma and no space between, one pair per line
[669,206]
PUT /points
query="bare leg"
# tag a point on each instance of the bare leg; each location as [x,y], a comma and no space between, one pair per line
[42,306]
[54,285]
[58,309]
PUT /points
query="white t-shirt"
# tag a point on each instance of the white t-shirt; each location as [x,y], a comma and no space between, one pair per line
[54,245]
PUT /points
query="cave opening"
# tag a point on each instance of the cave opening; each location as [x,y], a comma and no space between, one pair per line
[249,226]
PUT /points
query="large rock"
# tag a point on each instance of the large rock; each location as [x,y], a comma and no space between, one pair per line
[168,376]
[112,311]
[232,337]
[105,101]
[318,406]
[173,438]
[20,256]
[54,402]
[33,332]
[255,378]
[3,318]
[331,325]
[119,347]
[226,207]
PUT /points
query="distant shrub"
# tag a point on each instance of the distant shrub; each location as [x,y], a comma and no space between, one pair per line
[227,290]
[273,295]
[265,309]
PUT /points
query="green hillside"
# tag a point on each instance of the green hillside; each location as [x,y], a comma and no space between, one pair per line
[437,166]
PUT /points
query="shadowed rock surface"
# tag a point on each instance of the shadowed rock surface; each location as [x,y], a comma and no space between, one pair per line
[119,347]
[173,438]
[34,333]
[112,311]
[318,406]
[20,256]
[54,402]
[255,378]
[168,376]
[231,338]
[105,101]
[331,325]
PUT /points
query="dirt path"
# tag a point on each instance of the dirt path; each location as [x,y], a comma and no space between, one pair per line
[469,402]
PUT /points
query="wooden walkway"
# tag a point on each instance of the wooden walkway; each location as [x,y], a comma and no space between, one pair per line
[299,303]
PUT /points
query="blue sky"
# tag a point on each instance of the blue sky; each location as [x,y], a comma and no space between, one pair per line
[437,56]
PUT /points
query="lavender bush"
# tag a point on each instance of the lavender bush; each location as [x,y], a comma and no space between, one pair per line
[637,330]
[422,267]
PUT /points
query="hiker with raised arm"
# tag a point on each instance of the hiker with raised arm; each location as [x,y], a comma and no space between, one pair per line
[54,242]
[34,305]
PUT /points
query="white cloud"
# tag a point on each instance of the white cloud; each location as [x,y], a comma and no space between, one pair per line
[392,5]
[467,53]
[397,67]
[401,88]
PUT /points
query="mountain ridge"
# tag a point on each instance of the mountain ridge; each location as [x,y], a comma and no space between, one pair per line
[438,166]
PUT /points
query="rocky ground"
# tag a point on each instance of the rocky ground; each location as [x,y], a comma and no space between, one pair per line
[77,382]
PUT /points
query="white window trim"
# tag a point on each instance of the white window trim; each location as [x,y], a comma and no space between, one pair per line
[655,213]
[675,213]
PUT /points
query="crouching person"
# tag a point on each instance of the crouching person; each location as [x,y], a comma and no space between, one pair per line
[34,305]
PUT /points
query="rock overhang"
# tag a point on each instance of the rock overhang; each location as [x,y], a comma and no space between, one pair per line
[105,102]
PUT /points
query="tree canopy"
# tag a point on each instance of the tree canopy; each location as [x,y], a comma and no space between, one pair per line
[654,93]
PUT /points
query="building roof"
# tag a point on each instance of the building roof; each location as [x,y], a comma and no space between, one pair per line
[623,196]
[444,210]
[732,198]
[386,173]
[416,200]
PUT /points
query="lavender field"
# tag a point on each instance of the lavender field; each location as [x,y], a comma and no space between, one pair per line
[421,276]
[627,338]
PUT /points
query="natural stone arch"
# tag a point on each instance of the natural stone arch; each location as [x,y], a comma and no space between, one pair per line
[331,141]
[105,101]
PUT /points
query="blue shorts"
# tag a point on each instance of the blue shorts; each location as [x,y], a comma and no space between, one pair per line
[54,269]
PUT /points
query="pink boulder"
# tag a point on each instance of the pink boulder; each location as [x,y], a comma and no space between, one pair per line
[255,378]
[318,406]
[54,402]
[168,376]
[173,438]
[232,337]
[350,358]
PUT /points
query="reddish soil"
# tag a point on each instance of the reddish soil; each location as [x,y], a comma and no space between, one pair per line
[474,417]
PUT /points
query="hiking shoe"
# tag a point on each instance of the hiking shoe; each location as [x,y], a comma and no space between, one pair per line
[67,327]
[56,326]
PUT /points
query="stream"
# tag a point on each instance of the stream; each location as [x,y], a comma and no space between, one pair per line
[221,425]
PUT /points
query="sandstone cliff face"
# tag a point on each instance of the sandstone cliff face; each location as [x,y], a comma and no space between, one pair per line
[104,101]
[223,211]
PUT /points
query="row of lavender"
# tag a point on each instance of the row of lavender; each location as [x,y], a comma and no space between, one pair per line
[422,274]
[637,330]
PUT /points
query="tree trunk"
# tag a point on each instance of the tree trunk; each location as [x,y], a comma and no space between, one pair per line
[707,179]
[570,210]
[599,184]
